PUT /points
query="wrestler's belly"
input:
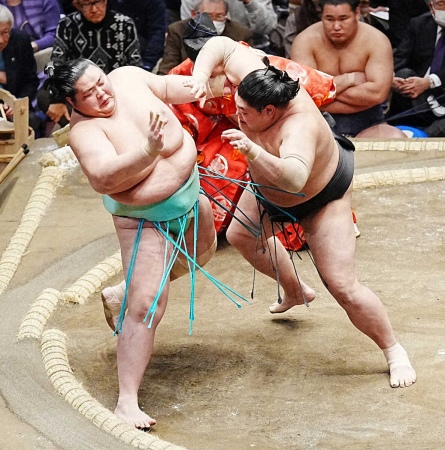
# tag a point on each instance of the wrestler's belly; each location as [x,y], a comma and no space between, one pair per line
[165,179]
[282,198]
[320,176]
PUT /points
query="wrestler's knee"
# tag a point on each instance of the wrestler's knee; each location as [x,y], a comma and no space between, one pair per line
[143,291]
[345,292]
[137,310]
[234,234]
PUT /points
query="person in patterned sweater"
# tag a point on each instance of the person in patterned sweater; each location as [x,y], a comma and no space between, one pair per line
[94,32]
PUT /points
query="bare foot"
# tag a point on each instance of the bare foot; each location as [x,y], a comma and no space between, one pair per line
[134,416]
[112,306]
[288,303]
[402,375]
[401,372]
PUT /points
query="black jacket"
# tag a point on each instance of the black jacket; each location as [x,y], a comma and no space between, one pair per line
[150,18]
[20,66]
[416,50]
[400,13]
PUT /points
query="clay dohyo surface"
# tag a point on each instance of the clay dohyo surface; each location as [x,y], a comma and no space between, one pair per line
[244,378]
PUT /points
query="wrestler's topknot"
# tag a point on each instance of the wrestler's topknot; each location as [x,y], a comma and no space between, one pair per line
[281,74]
[62,79]
[269,86]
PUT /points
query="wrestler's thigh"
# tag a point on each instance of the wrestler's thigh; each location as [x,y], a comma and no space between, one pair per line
[331,238]
[246,216]
[148,269]
[206,227]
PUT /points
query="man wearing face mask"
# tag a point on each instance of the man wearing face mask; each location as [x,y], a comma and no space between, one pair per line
[258,15]
[419,81]
[215,17]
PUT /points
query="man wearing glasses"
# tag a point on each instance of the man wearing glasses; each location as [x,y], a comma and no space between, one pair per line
[419,67]
[106,37]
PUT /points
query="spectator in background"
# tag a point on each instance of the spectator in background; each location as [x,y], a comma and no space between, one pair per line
[67,6]
[18,71]
[37,18]
[360,58]
[419,76]
[309,13]
[258,15]
[106,37]
[216,15]
[150,18]
[375,14]
[304,15]
[173,10]
[400,13]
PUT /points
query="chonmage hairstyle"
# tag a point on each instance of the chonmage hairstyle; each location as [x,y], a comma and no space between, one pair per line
[62,79]
[269,86]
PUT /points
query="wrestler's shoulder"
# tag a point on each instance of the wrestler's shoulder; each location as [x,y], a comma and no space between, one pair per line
[302,105]
[302,117]
[125,72]
[313,32]
[83,128]
[371,37]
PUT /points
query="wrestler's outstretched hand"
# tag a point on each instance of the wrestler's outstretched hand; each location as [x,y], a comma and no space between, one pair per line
[241,142]
[197,88]
[155,136]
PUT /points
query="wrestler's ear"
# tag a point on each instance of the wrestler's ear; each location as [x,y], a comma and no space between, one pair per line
[269,110]
[70,101]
